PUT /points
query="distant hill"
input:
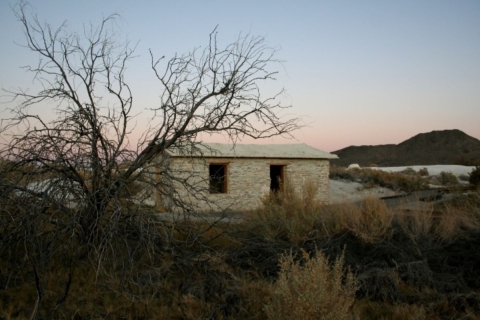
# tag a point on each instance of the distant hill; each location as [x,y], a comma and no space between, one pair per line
[436,147]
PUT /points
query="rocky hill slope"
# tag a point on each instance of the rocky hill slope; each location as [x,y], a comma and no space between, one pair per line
[432,148]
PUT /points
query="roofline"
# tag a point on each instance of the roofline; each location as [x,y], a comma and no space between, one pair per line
[243,157]
[217,150]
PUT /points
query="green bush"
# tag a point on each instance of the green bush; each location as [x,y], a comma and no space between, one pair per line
[409,171]
[448,178]
[423,172]
[474,177]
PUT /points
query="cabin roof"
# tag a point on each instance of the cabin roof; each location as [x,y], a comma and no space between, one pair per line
[282,151]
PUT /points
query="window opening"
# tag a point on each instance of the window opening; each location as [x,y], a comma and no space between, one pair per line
[276,178]
[218,178]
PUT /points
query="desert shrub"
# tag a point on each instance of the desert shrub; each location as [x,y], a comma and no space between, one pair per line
[371,221]
[474,177]
[369,185]
[404,181]
[443,222]
[332,220]
[298,216]
[447,178]
[408,183]
[312,289]
[417,224]
[434,180]
[454,219]
[290,214]
[254,294]
[423,172]
[374,310]
[409,171]
[338,172]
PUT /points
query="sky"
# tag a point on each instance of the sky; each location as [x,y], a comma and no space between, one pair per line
[356,72]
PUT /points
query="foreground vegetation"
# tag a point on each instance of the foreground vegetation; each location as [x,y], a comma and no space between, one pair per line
[291,259]
[75,241]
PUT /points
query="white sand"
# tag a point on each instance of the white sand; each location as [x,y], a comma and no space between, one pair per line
[432,170]
[344,190]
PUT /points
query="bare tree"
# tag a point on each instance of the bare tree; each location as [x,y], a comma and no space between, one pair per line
[76,172]
[210,91]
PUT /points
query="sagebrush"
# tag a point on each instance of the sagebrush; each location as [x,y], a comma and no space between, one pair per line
[312,289]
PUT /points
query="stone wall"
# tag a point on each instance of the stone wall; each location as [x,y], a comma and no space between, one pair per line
[248,181]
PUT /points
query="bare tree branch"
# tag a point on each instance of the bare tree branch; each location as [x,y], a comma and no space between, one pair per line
[75,179]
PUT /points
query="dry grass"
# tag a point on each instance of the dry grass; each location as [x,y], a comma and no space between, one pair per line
[298,216]
[444,222]
[288,215]
[312,290]
[453,220]
[370,220]
[191,276]
[255,294]
[365,309]
[417,224]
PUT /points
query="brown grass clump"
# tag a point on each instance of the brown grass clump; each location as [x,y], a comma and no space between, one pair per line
[423,172]
[298,216]
[453,220]
[255,294]
[448,178]
[417,224]
[366,309]
[312,290]
[290,214]
[369,220]
[444,222]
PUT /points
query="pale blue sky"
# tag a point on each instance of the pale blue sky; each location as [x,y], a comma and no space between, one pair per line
[359,72]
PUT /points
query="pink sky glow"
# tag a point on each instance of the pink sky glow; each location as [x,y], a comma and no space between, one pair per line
[357,72]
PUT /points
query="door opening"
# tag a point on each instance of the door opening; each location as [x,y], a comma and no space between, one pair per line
[276,178]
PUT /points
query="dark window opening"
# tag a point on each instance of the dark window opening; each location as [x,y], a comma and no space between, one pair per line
[218,178]
[276,178]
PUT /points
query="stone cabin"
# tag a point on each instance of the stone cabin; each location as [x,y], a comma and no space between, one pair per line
[226,177]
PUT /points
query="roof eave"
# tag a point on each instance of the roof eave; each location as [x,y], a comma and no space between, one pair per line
[244,157]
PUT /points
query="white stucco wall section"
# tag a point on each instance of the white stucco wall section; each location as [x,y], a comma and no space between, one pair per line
[248,180]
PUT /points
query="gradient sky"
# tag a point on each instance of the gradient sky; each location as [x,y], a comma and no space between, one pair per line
[358,72]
